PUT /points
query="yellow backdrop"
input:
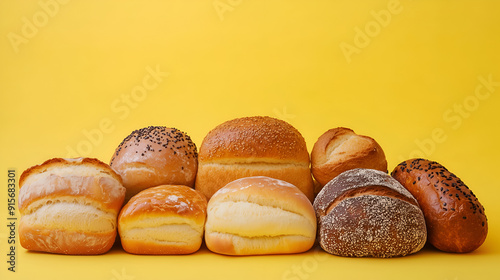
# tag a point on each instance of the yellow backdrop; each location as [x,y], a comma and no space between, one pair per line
[421,77]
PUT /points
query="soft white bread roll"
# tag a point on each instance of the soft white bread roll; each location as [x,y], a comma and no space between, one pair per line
[259,215]
[253,146]
[69,206]
[339,150]
[154,156]
[167,219]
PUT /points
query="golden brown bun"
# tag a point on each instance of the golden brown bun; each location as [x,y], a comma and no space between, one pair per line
[253,146]
[339,150]
[455,219]
[154,156]
[69,206]
[366,213]
[167,219]
[259,215]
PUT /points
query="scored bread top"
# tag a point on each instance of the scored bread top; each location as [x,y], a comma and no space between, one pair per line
[330,147]
[265,191]
[62,162]
[341,149]
[254,139]
[86,178]
[359,178]
[166,200]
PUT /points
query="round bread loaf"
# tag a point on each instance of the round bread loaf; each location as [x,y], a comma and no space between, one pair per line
[69,206]
[339,150]
[455,219]
[259,215]
[167,219]
[153,156]
[253,146]
[366,213]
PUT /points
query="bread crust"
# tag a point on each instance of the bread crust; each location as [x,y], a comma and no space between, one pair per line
[212,176]
[253,146]
[259,215]
[142,247]
[64,242]
[339,150]
[153,156]
[249,139]
[60,162]
[80,185]
[156,209]
[455,218]
[366,213]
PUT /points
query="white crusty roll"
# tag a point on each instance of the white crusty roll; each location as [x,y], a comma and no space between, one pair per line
[339,150]
[167,219]
[153,156]
[367,213]
[69,206]
[259,215]
[253,146]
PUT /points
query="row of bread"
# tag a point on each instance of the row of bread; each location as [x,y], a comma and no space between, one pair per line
[255,173]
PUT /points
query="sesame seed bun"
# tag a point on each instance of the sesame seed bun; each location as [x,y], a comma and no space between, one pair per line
[253,146]
[455,218]
[154,156]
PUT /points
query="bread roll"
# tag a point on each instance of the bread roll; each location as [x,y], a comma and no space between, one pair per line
[339,150]
[455,219]
[253,146]
[153,156]
[69,206]
[366,213]
[259,215]
[166,219]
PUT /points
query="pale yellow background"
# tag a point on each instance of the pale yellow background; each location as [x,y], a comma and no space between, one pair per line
[278,58]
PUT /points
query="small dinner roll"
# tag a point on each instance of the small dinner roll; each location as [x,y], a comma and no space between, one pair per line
[259,215]
[341,149]
[167,219]
[153,156]
[69,206]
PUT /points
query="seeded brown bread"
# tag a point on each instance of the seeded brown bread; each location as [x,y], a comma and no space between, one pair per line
[455,219]
[339,150]
[69,206]
[366,213]
[153,156]
[253,146]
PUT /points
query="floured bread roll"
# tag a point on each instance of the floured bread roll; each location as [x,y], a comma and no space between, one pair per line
[259,215]
[367,213]
[69,206]
[166,219]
